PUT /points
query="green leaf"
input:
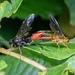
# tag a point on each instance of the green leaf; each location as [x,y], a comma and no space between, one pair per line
[7,8]
[71,4]
[58,70]
[4,42]
[2,65]
[63,69]
[42,54]
[71,64]
[18,67]
[2,73]
[40,7]
[51,50]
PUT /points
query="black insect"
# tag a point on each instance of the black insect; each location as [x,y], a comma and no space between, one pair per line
[23,37]
[55,26]
[58,36]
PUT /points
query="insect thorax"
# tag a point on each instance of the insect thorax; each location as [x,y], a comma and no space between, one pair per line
[20,41]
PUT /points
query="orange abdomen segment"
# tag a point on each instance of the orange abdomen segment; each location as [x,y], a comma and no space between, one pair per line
[36,35]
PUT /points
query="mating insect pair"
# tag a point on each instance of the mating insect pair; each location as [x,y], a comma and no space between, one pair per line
[23,37]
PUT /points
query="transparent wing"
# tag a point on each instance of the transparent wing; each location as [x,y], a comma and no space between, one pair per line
[54,25]
[25,27]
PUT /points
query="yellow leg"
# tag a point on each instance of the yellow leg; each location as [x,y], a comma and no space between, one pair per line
[58,45]
[65,44]
[20,51]
[10,49]
[58,49]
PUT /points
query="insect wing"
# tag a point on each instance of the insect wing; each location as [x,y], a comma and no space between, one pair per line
[25,27]
[54,25]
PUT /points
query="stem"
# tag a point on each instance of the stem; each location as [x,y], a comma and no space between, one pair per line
[23,58]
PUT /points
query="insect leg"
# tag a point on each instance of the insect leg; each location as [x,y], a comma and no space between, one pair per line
[65,44]
[58,45]
[11,48]
[20,51]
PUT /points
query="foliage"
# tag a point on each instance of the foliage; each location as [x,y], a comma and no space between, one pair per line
[7,8]
[71,5]
[57,61]
[2,66]
[42,8]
